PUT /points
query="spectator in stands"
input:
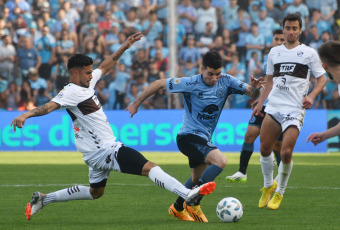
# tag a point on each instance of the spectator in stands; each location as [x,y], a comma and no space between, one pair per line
[99,4]
[228,43]
[118,14]
[105,23]
[240,30]
[153,73]
[33,32]
[89,30]
[189,69]
[48,20]
[274,12]
[159,100]
[313,38]
[321,24]
[224,51]
[7,58]
[78,5]
[35,81]
[65,46]
[61,74]
[23,6]
[187,15]
[329,88]
[162,11]
[42,97]
[72,14]
[299,8]
[3,95]
[26,96]
[266,26]
[206,13]
[102,93]
[58,25]
[90,9]
[13,96]
[140,63]
[120,86]
[313,5]
[328,9]
[255,66]
[255,42]
[180,34]
[51,89]
[190,52]
[230,13]
[4,30]
[27,57]
[90,50]
[254,10]
[204,40]
[45,46]
[152,28]
[159,46]
[132,22]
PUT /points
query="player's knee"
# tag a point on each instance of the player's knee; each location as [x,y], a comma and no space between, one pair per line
[221,161]
[286,156]
[265,150]
[96,193]
[147,167]
[277,148]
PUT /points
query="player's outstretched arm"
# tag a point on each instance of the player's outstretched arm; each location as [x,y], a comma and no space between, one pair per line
[253,90]
[317,138]
[150,90]
[109,62]
[265,92]
[39,111]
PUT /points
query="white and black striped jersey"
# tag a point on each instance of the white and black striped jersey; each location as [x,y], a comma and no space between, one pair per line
[92,130]
[291,70]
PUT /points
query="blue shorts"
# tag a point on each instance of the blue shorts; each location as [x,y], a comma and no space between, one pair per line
[195,148]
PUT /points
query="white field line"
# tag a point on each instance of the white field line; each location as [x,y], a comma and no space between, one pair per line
[147,185]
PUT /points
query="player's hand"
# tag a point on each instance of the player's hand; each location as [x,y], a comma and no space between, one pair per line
[257,83]
[316,138]
[256,111]
[133,38]
[18,122]
[307,102]
[132,108]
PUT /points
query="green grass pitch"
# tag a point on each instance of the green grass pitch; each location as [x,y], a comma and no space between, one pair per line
[311,201]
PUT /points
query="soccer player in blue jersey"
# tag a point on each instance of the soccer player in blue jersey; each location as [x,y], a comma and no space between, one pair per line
[254,127]
[204,97]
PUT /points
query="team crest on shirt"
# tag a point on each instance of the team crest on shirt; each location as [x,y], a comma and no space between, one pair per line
[200,95]
[299,53]
[220,92]
[177,81]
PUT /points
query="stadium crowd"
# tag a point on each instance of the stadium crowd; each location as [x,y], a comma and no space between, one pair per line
[38,37]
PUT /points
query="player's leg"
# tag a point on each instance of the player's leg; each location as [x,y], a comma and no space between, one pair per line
[289,140]
[277,153]
[270,132]
[246,152]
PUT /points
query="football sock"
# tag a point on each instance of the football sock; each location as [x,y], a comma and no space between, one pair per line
[77,192]
[267,170]
[164,180]
[210,174]
[278,158]
[179,202]
[284,173]
[246,152]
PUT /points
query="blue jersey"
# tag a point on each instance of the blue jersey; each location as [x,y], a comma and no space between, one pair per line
[203,104]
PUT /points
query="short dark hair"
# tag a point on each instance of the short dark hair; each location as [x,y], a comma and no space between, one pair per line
[79,60]
[212,59]
[292,17]
[329,53]
[278,31]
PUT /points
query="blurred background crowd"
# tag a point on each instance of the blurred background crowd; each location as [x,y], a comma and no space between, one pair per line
[37,37]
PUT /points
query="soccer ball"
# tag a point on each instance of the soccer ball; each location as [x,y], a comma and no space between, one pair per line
[229,209]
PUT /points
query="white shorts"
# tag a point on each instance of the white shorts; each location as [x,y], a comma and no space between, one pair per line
[102,162]
[287,119]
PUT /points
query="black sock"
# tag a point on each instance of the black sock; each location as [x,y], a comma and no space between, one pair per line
[244,160]
[278,158]
[179,204]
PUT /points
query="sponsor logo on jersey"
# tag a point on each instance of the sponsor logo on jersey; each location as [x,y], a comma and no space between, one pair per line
[177,81]
[77,136]
[210,112]
[96,100]
[60,94]
[192,83]
[282,87]
[170,84]
[200,95]
[287,68]
[220,92]
[289,118]
[76,128]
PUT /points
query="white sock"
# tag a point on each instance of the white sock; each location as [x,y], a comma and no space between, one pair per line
[76,192]
[284,173]
[267,170]
[164,180]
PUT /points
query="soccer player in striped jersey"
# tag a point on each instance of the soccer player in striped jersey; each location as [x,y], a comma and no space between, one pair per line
[254,127]
[94,138]
[289,68]
[204,97]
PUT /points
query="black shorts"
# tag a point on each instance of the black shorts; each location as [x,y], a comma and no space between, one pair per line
[130,161]
[195,148]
